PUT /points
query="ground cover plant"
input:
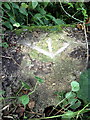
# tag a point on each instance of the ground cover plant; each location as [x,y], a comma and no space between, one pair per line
[72,105]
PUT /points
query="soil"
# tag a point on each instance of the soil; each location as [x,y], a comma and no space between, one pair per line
[21,63]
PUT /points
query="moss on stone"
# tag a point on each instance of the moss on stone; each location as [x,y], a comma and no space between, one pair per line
[42,28]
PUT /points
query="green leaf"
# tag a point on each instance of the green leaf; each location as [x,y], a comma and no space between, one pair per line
[45,4]
[84,92]
[75,86]
[23,11]
[39,79]
[12,20]
[25,85]
[34,4]
[8,25]
[42,11]
[16,25]
[70,5]
[72,101]
[7,6]
[38,15]
[24,99]
[58,21]
[75,104]
[24,5]
[50,16]
[69,114]
[2,92]
[70,95]
[15,5]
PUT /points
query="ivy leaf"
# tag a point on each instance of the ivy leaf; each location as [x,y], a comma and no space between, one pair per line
[24,99]
[23,11]
[7,6]
[70,5]
[39,79]
[12,20]
[42,11]
[25,85]
[34,4]
[24,5]
[75,86]
[14,5]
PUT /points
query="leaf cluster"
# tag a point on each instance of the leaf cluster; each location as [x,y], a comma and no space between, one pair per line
[18,14]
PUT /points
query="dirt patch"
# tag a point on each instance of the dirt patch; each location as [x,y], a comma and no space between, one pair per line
[21,62]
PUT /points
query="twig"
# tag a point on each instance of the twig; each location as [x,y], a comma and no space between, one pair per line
[34,113]
[56,106]
[34,89]
[66,106]
[68,13]
[87,46]
[12,59]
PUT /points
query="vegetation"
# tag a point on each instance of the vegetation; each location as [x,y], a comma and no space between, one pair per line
[76,103]
[70,107]
[16,15]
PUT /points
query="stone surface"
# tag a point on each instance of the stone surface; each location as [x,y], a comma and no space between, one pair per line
[57,71]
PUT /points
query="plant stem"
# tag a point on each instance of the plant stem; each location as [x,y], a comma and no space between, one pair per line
[19,90]
[87,46]
[57,105]
[34,89]
[46,117]
[68,13]
[10,98]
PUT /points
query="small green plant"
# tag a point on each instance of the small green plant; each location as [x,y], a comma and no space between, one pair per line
[24,99]
[19,14]
[71,106]
[16,15]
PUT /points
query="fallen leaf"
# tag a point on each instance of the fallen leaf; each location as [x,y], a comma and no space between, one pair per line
[20,111]
[31,104]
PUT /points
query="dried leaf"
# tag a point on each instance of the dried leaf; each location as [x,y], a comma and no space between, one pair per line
[31,104]
[20,110]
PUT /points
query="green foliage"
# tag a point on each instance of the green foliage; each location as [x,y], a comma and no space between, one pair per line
[25,85]
[84,92]
[69,114]
[16,14]
[75,86]
[34,4]
[81,8]
[24,99]
[71,101]
[39,79]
